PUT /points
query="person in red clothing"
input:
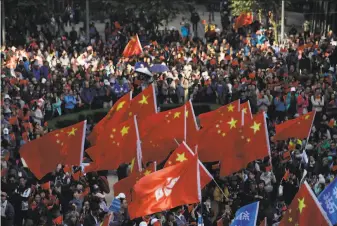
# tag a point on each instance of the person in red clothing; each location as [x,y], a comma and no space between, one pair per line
[302,103]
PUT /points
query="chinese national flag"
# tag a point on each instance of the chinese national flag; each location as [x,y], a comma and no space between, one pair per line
[125,185]
[143,105]
[248,143]
[213,139]
[116,144]
[160,139]
[208,118]
[167,188]
[133,47]
[115,114]
[295,128]
[247,112]
[243,20]
[58,220]
[184,153]
[63,146]
[304,209]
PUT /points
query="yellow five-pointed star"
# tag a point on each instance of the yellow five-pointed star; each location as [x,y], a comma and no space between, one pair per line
[301,204]
[72,132]
[290,219]
[181,157]
[125,130]
[230,108]
[177,115]
[186,113]
[143,100]
[120,105]
[307,117]
[244,111]
[256,127]
[147,172]
[232,123]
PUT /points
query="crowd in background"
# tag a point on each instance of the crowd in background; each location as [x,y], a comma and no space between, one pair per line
[48,73]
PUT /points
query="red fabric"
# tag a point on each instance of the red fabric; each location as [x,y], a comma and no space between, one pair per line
[221,113]
[264,222]
[143,105]
[165,189]
[13,120]
[247,144]
[133,47]
[212,138]
[116,144]
[304,209]
[63,146]
[125,185]
[243,20]
[46,186]
[115,114]
[295,128]
[247,112]
[161,132]
[219,222]
[286,175]
[184,153]
[77,175]
[58,220]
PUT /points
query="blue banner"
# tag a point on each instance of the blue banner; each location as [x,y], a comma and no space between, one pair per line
[115,205]
[328,200]
[246,215]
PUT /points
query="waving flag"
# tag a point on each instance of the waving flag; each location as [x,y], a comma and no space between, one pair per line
[328,200]
[222,113]
[243,20]
[133,47]
[246,144]
[62,146]
[167,188]
[295,128]
[115,115]
[247,112]
[246,215]
[305,209]
[184,153]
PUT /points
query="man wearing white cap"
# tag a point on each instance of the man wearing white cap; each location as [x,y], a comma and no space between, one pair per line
[122,216]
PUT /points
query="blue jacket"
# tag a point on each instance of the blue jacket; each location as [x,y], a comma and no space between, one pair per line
[70,102]
[279,105]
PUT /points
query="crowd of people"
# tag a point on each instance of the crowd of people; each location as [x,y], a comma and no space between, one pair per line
[51,73]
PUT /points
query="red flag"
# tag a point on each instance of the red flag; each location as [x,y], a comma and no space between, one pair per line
[167,188]
[248,143]
[116,144]
[209,118]
[213,137]
[78,175]
[133,47]
[304,209]
[46,186]
[106,220]
[143,105]
[63,146]
[184,153]
[115,114]
[295,128]
[58,220]
[247,112]
[13,120]
[264,222]
[243,20]
[171,128]
[286,175]
[125,185]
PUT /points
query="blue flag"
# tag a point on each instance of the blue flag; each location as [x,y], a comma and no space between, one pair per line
[246,215]
[328,200]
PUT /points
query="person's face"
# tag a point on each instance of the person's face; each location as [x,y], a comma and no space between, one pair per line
[37,198]
[86,84]
[171,218]
[86,205]
[22,182]
[261,186]
[125,204]
[3,197]
[71,92]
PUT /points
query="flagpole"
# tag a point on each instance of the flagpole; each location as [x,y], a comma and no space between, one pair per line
[199,189]
[195,120]
[139,147]
[154,98]
[267,138]
[317,203]
[83,141]
[185,123]
[307,140]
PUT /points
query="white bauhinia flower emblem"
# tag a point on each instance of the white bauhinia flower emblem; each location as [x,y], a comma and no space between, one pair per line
[166,190]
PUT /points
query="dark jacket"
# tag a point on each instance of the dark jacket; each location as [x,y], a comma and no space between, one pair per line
[8,220]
